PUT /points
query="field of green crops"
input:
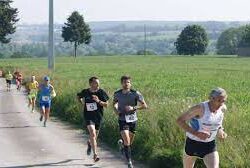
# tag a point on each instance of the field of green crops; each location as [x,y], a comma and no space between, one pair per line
[170,85]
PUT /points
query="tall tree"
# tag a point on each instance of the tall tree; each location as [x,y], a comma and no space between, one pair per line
[192,40]
[76,31]
[228,41]
[245,40]
[8,18]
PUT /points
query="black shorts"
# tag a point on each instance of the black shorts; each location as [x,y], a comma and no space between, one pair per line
[199,149]
[97,123]
[8,82]
[127,126]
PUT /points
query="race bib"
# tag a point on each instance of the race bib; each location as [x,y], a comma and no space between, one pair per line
[131,118]
[33,91]
[45,98]
[91,106]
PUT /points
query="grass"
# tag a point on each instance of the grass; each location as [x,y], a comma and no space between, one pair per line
[170,85]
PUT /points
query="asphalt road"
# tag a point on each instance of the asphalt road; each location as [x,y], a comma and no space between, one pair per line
[25,143]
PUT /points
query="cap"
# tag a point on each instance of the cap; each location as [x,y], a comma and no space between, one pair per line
[46,78]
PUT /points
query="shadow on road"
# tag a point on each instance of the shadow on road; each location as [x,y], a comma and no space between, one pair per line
[10,113]
[26,126]
[55,164]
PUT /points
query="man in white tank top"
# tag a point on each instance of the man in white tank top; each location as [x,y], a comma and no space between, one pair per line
[202,124]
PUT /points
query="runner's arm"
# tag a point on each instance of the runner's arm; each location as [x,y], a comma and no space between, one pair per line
[99,101]
[115,107]
[193,112]
[80,97]
[103,103]
[142,103]
[53,92]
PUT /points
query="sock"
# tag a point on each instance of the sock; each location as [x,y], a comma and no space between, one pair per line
[127,151]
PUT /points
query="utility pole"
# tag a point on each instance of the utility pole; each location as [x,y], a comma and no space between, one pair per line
[51,57]
[145,40]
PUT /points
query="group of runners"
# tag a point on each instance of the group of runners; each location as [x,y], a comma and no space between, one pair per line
[202,123]
[44,92]
[126,103]
[16,77]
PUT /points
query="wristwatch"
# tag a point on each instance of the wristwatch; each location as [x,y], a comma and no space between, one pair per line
[135,108]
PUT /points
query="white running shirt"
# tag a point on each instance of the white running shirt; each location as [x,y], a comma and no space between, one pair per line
[208,123]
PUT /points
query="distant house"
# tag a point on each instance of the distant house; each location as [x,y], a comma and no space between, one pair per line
[243,52]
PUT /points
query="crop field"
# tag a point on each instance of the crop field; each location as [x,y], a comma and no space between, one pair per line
[170,85]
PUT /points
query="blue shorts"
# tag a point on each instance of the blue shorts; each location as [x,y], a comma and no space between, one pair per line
[45,105]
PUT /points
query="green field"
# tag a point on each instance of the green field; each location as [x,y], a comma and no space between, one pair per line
[170,85]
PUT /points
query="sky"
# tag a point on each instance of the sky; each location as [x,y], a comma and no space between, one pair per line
[36,11]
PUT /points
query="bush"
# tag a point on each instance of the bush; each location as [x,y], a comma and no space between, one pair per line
[20,55]
[147,52]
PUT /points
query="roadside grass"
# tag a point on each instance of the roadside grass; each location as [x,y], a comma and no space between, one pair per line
[170,85]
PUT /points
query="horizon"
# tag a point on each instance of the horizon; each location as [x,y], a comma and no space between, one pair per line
[129,10]
[199,21]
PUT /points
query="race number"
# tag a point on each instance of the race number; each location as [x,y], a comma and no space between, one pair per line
[91,106]
[131,118]
[45,98]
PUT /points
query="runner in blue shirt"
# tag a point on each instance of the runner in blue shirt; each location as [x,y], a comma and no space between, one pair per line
[46,93]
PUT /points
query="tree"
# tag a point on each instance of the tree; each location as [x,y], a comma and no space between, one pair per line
[76,31]
[228,41]
[245,40]
[8,18]
[192,40]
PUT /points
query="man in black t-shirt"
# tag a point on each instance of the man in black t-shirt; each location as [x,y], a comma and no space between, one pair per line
[94,100]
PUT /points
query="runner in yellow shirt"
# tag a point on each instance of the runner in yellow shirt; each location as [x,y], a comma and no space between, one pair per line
[8,78]
[32,92]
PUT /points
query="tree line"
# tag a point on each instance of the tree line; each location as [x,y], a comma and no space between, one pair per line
[193,39]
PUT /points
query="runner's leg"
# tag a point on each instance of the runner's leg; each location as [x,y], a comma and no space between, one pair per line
[132,137]
[92,137]
[42,112]
[212,160]
[97,134]
[46,117]
[33,101]
[188,161]
[126,141]
[30,101]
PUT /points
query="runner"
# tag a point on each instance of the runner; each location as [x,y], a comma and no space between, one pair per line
[46,93]
[8,78]
[19,78]
[125,106]
[32,92]
[205,123]
[94,100]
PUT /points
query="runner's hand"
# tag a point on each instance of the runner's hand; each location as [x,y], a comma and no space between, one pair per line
[221,134]
[82,101]
[129,109]
[95,98]
[202,135]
